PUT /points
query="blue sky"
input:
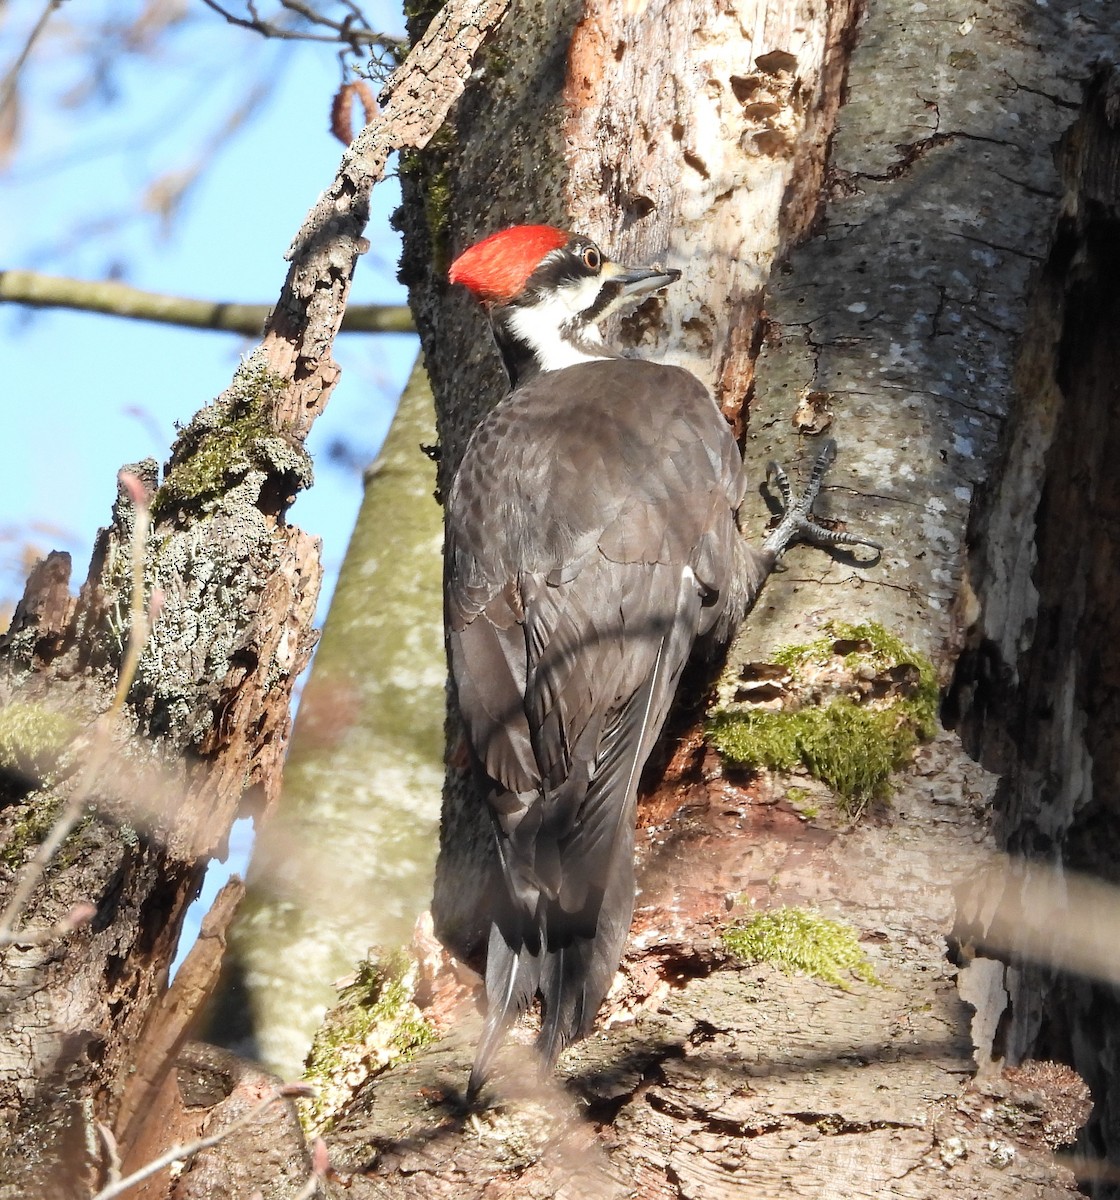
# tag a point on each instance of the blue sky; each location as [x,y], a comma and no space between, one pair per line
[82,394]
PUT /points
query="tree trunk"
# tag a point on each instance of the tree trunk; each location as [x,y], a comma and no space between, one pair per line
[347,862]
[879,291]
[205,725]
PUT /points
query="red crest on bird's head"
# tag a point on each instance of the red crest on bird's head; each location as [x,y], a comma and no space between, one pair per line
[496,268]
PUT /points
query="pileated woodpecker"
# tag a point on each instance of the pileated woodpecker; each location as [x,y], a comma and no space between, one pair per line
[591,542]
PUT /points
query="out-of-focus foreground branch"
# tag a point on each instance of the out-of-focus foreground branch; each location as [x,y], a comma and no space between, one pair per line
[201,734]
[36,290]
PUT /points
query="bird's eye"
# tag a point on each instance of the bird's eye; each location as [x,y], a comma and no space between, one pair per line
[592,259]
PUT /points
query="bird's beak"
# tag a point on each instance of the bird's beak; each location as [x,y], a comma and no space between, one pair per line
[635,281]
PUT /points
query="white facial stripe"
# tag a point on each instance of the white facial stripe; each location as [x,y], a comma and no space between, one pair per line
[541,325]
[574,297]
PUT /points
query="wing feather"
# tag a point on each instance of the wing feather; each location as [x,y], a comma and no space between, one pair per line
[590,538]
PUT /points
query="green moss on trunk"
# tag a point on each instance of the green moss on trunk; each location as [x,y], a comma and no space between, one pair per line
[374,1025]
[885,701]
[228,442]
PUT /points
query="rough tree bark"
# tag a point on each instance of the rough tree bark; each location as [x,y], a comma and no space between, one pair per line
[859,199]
[89,1027]
[1036,690]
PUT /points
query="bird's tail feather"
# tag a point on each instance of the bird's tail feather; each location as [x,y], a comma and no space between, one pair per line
[513,969]
[580,960]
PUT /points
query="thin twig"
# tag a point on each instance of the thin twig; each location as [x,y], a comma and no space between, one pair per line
[112,1153]
[267,28]
[352,35]
[320,1169]
[190,1149]
[309,1189]
[342,28]
[77,916]
[8,85]
[102,740]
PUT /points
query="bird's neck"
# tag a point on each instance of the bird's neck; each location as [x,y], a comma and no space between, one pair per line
[534,339]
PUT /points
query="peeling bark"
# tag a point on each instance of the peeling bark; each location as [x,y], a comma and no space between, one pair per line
[713,161]
[1036,691]
[725,1080]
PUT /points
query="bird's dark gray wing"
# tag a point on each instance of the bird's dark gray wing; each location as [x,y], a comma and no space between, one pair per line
[617,460]
[590,539]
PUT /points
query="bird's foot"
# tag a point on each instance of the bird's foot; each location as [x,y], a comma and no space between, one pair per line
[799,523]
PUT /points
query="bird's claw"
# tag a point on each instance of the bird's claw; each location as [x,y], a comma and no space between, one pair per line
[799,523]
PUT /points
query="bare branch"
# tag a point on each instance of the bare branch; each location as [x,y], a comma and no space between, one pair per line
[120,300]
[357,37]
[301,328]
